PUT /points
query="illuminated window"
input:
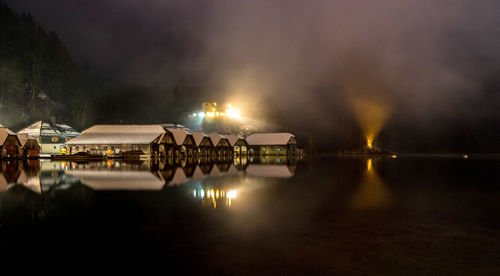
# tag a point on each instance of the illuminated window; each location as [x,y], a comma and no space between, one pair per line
[55,139]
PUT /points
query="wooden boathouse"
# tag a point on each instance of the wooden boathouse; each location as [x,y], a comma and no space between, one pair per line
[127,141]
[203,143]
[221,144]
[272,144]
[29,146]
[184,142]
[10,147]
[239,145]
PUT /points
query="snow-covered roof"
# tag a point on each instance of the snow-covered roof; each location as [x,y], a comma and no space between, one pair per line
[118,135]
[234,138]
[216,137]
[198,136]
[257,139]
[118,180]
[280,171]
[4,133]
[42,128]
[24,138]
[172,125]
[179,135]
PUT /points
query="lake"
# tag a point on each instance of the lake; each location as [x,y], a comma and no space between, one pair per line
[327,215]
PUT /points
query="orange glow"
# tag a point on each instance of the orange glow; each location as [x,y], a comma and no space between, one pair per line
[371,115]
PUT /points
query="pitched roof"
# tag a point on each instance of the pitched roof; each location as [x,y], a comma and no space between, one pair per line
[23,138]
[269,138]
[216,137]
[118,134]
[234,138]
[179,135]
[42,128]
[4,133]
[198,136]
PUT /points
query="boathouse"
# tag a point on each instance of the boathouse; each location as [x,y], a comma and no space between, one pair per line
[10,147]
[128,141]
[221,144]
[203,143]
[166,144]
[184,142]
[29,146]
[272,144]
[51,137]
[239,144]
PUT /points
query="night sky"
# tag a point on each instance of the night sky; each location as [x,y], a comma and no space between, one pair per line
[423,75]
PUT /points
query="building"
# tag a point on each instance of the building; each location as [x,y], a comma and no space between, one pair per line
[184,142]
[221,144]
[166,145]
[118,141]
[51,137]
[272,144]
[239,144]
[10,147]
[29,145]
[203,143]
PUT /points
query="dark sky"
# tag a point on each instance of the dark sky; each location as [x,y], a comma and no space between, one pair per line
[409,70]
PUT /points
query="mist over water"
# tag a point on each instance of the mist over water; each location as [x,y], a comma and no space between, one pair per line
[428,68]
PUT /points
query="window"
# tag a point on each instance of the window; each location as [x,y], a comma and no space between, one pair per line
[55,140]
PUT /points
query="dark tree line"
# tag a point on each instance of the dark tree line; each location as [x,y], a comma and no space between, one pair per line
[39,80]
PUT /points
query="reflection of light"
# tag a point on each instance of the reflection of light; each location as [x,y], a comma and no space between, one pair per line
[194,193]
[372,192]
[201,115]
[202,193]
[465,156]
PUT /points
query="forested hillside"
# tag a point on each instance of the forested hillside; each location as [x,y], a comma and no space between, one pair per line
[38,78]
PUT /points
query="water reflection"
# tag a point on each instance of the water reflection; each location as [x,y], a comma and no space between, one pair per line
[44,176]
[372,192]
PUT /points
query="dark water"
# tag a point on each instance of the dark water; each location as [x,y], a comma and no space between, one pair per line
[410,215]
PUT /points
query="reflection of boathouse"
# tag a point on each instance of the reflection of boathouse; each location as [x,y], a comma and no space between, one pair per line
[272,144]
[118,140]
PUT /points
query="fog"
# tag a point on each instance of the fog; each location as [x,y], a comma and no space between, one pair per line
[417,75]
